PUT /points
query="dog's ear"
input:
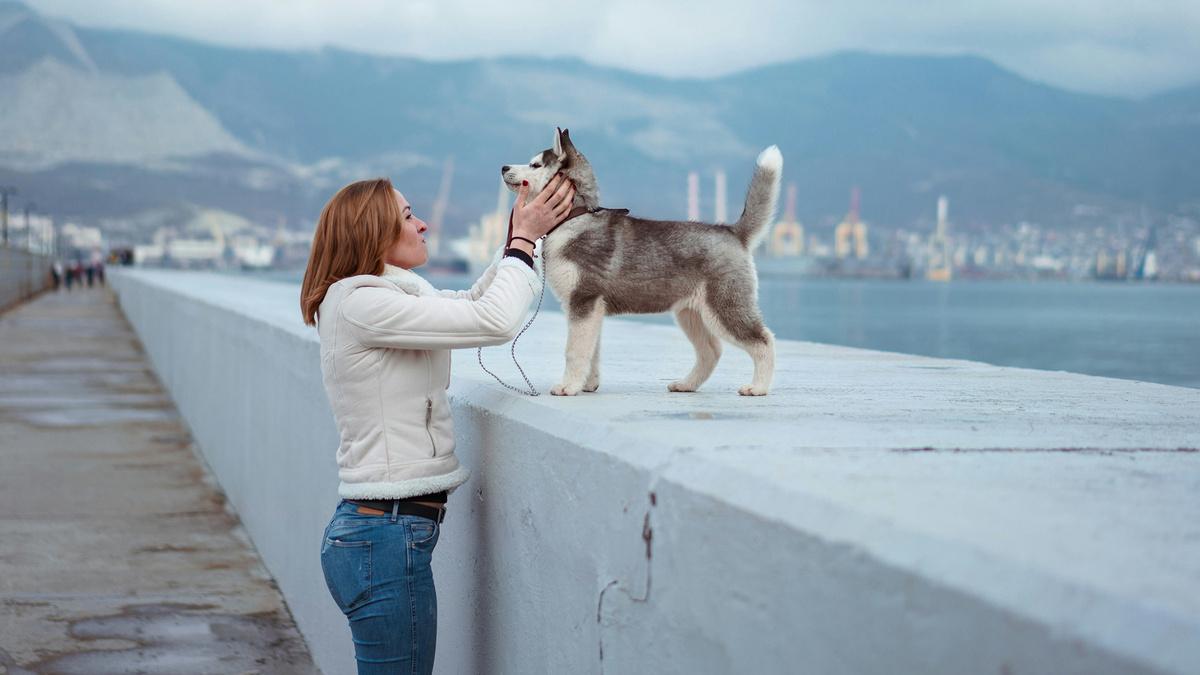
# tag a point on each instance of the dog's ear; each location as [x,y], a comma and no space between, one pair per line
[558,143]
[564,139]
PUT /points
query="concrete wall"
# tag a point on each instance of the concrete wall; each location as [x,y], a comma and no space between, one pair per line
[878,513]
[22,275]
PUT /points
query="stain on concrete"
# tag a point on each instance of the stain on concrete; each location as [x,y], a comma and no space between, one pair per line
[690,415]
[187,639]
[86,417]
[165,548]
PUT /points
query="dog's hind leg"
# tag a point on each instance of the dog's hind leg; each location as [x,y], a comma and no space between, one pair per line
[707,346]
[730,310]
[762,351]
[583,336]
[760,345]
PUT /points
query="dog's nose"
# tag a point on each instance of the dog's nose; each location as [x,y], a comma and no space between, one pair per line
[505,168]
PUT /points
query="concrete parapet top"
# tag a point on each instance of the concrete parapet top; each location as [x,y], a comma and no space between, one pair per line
[1067,499]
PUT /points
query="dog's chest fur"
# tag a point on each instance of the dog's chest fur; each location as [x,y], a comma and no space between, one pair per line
[564,249]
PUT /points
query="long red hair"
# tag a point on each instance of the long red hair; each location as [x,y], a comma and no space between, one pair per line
[355,230]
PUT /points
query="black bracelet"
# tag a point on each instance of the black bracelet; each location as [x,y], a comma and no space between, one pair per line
[519,255]
[523,239]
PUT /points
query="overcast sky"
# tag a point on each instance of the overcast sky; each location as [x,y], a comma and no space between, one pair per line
[1122,47]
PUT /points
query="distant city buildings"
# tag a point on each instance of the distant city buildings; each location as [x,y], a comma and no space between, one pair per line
[197,238]
[486,236]
[941,262]
[1092,244]
[213,238]
[787,235]
[850,236]
[1022,250]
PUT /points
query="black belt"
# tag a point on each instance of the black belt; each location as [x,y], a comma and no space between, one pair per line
[408,508]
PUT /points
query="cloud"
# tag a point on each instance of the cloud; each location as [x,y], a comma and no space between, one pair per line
[1103,46]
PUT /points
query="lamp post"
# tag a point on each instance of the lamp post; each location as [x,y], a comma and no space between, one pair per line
[32,271]
[29,206]
[5,191]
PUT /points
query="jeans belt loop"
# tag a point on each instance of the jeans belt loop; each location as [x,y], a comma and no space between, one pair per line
[395,510]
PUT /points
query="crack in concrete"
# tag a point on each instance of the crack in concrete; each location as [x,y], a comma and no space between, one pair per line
[648,538]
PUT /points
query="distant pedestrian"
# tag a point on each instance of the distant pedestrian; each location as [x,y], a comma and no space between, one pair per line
[96,267]
[75,272]
[57,270]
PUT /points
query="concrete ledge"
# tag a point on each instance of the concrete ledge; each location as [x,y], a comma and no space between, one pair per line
[22,275]
[878,513]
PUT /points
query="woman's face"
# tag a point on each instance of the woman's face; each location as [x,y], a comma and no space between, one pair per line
[409,250]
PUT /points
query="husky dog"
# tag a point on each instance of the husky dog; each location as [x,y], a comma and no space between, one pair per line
[602,262]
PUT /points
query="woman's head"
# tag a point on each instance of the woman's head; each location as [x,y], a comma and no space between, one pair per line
[364,225]
[409,249]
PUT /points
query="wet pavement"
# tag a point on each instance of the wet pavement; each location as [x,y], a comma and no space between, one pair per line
[118,554]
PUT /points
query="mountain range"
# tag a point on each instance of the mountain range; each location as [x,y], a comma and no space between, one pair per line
[106,124]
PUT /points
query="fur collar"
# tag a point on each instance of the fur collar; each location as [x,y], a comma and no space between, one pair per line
[407,280]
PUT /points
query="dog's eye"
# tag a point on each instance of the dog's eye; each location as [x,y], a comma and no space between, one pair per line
[535,165]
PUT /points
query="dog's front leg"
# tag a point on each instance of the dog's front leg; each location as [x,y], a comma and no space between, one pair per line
[583,332]
[593,378]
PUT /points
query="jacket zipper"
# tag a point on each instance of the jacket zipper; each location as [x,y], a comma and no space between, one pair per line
[428,430]
[429,400]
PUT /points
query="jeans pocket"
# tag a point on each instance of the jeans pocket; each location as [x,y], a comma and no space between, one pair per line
[347,568]
[423,532]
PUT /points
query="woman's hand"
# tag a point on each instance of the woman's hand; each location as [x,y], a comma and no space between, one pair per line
[539,216]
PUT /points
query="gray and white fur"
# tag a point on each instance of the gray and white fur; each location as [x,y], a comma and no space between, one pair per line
[607,262]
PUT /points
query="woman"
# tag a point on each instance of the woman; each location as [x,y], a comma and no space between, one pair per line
[385,340]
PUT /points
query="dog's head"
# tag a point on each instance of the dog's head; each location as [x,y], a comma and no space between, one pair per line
[562,156]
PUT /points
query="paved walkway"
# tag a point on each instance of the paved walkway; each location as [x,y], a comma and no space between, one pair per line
[117,554]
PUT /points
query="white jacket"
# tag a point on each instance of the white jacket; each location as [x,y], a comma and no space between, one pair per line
[385,361]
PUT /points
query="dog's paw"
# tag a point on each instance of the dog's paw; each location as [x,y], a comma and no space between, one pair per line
[564,390]
[592,384]
[680,385]
[751,390]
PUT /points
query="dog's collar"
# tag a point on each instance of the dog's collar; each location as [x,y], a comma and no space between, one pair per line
[575,213]
[580,210]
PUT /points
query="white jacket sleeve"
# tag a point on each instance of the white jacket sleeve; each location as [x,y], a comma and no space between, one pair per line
[381,317]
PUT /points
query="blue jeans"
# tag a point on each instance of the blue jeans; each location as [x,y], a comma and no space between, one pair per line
[377,569]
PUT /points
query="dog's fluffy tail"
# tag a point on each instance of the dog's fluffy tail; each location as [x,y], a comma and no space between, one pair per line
[760,198]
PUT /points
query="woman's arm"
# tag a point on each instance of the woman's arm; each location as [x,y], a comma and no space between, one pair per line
[381,317]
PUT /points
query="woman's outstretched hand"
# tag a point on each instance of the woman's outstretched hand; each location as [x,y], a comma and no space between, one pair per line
[541,214]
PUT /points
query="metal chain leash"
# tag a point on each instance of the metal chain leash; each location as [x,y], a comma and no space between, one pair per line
[479,350]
